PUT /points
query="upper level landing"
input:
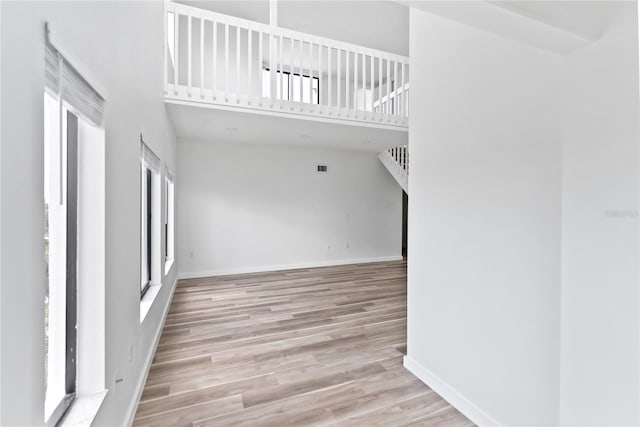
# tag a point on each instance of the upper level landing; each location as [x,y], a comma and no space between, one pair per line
[223,62]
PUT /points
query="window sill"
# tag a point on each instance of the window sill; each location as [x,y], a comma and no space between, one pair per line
[167,266]
[147,300]
[84,410]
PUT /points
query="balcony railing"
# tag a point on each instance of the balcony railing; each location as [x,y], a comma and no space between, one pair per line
[219,59]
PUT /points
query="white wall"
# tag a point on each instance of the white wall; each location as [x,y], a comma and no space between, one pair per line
[523,260]
[600,323]
[484,221]
[244,207]
[117,46]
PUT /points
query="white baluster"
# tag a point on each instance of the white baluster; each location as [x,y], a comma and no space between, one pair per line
[272,72]
[395,89]
[201,57]
[329,77]
[380,87]
[291,79]
[260,95]
[364,85]
[372,60]
[320,101]
[338,74]
[387,106]
[226,62]
[301,57]
[348,78]
[402,107]
[356,85]
[189,59]
[214,49]
[166,49]
[281,68]
[176,50]
[238,64]
[310,69]
[249,60]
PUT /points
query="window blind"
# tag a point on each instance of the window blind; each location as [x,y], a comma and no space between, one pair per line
[149,158]
[63,80]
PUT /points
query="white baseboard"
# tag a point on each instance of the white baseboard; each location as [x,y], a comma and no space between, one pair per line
[448,393]
[131,411]
[245,270]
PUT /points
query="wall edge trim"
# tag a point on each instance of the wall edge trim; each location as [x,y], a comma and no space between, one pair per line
[261,269]
[448,393]
[131,411]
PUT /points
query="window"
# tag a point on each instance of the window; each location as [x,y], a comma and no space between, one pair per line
[292,87]
[169,222]
[74,221]
[150,220]
[61,198]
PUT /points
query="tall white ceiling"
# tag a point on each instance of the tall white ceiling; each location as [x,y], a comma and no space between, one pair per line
[557,26]
[588,19]
[377,24]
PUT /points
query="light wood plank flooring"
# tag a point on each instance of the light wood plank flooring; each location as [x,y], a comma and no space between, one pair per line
[318,346]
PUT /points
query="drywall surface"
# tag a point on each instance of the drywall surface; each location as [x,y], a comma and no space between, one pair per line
[116,46]
[244,207]
[600,323]
[484,221]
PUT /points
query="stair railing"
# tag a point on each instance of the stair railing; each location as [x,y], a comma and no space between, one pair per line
[216,58]
[401,156]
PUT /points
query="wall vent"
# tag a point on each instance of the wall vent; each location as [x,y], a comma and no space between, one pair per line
[322,168]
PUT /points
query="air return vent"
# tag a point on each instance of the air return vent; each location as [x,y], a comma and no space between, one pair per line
[322,168]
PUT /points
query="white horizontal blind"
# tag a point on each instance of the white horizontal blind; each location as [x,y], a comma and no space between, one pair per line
[168,173]
[62,79]
[149,158]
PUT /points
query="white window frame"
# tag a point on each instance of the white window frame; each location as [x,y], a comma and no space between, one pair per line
[89,390]
[150,221]
[71,92]
[169,221]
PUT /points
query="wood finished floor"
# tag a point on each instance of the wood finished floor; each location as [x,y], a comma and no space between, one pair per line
[319,346]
